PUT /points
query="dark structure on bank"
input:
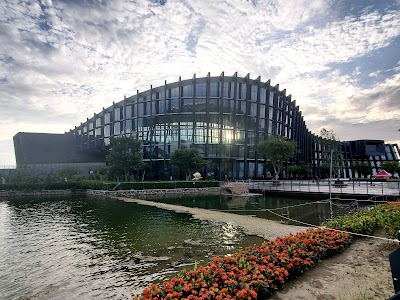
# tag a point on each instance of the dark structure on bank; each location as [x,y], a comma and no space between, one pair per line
[225,117]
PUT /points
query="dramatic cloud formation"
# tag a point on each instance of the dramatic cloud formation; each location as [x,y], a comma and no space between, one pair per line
[63,60]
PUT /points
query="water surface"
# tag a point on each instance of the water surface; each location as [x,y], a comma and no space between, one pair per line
[89,247]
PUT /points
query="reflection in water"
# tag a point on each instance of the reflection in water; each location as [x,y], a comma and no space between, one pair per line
[81,247]
[236,202]
[314,213]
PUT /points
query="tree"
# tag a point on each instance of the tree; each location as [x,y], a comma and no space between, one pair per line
[125,155]
[188,160]
[299,170]
[361,168]
[324,170]
[390,166]
[330,149]
[277,149]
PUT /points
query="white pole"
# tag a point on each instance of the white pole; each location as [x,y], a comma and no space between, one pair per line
[330,175]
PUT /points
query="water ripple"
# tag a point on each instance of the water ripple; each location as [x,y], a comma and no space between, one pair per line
[59,248]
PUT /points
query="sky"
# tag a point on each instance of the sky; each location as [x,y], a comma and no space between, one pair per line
[61,61]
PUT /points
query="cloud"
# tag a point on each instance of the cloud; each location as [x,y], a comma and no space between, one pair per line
[62,61]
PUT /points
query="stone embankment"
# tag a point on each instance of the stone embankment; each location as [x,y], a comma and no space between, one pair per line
[34,193]
[156,193]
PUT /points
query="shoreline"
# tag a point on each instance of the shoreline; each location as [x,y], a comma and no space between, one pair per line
[251,225]
[362,271]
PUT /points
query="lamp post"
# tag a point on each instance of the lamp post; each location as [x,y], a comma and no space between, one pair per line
[329,182]
[330,175]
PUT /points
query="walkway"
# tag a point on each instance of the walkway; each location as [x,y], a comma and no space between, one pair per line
[310,186]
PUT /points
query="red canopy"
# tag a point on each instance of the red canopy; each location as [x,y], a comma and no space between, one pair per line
[382,174]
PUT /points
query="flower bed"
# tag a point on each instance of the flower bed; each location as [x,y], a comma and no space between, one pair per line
[386,216]
[254,272]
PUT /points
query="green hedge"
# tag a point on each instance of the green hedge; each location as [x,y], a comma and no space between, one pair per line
[99,185]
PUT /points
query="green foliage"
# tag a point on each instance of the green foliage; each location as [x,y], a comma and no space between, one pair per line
[299,170]
[68,172]
[330,150]
[386,216]
[277,149]
[361,168]
[390,166]
[125,155]
[359,222]
[325,169]
[188,160]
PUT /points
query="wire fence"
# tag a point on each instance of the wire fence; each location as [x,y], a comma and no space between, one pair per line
[315,212]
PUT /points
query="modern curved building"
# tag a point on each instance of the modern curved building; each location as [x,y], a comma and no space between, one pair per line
[225,117]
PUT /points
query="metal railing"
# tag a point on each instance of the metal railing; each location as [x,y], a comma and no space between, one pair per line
[326,186]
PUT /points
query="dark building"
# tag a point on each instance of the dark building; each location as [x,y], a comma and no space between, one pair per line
[225,117]
[44,148]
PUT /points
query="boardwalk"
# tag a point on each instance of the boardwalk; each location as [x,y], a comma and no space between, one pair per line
[309,186]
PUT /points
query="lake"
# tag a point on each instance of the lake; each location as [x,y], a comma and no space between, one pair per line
[88,247]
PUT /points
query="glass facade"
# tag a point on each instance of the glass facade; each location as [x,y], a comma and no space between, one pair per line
[225,117]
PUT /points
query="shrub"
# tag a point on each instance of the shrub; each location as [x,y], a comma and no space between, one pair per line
[254,272]
[386,216]
[359,222]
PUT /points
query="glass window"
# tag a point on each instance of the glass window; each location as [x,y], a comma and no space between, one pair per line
[128,112]
[271,98]
[140,109]
[253,109]
[98,132]
[187,105]
[84,129]
[174,93]
[200,104]
[243,91]
[271,112]
[154,107]
[227,90]
[91,126]
[227,136]
[263,95]
[117,114]
[162,107]
[175,105]
[117,128]
[128,126]
[280,102]
[213,105]
[396,153]
[240,107]
[214,89]
[107,131]
[98,122]
[262,111]
[227,105]
[253,95]
[201,90]
[187,91]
